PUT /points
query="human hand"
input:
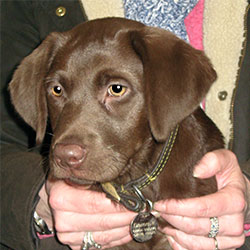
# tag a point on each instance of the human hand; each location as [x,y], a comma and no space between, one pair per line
[190,217]
[77,211]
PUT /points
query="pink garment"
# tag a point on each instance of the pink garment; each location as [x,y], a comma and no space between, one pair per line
[247,229]
[44,236]
[194,28]
[194,25]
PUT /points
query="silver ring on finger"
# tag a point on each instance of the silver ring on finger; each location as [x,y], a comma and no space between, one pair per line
[214,228]
[216,244]
[89,242]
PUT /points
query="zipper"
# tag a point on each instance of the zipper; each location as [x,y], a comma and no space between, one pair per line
[243,52]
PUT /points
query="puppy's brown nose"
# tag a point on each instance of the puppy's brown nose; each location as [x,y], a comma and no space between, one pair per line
[69,155]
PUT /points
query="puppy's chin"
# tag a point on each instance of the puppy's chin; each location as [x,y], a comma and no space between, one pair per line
[74,181]
[71,180]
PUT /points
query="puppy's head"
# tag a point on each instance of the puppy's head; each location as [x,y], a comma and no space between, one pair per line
[111,88]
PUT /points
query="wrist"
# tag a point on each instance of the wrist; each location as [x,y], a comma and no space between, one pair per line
[42,217]
[41,228]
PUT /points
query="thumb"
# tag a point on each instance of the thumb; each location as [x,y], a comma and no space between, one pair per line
[215,163]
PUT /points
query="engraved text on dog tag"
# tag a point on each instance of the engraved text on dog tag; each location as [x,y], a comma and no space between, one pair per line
[143,227]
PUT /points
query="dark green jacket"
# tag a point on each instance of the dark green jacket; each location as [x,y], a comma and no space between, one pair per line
[24,24]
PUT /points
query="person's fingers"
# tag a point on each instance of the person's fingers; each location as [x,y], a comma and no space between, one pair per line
[119,242]
[229,199]
[201,226]
[174,245]
[68,198]
[201,242]
[71,239]
[75,247]
[223,164]
[226,201]
[71,222]
[103,238]
[214,162]
[113,236]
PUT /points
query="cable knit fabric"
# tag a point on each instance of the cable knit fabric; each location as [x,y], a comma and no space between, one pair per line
[168,15]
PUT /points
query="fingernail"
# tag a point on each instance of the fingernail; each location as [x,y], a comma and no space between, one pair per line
[199,171]
[159,206]
[170,240]
[156,214]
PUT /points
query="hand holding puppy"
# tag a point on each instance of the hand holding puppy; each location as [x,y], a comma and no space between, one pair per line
[190,217]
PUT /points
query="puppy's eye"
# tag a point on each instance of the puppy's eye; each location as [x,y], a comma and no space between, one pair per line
[57,91]
[117,90]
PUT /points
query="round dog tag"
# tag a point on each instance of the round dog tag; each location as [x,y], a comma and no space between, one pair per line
[143,227]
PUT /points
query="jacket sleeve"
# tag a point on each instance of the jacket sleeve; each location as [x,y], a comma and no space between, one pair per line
[246,168]
[24,24]
[21,175]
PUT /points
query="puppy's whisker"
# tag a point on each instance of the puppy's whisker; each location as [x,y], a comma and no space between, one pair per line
[51,134]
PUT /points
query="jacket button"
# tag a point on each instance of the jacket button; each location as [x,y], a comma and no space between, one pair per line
[222,95]
[61,11]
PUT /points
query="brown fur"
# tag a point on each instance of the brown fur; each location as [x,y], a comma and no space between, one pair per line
[166,79]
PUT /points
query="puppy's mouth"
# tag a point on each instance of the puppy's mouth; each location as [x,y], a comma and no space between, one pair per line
[74,181]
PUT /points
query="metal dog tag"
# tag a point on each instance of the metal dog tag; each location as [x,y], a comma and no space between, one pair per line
[143,227]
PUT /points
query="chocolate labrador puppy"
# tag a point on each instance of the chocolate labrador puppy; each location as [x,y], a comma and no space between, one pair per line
[123,102]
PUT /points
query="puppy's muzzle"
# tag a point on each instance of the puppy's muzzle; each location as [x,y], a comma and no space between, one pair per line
[69,155]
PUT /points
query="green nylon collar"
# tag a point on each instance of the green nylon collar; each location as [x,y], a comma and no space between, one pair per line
[122,193]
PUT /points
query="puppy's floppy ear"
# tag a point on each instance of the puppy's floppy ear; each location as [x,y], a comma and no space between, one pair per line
[27,89]
[177,78]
